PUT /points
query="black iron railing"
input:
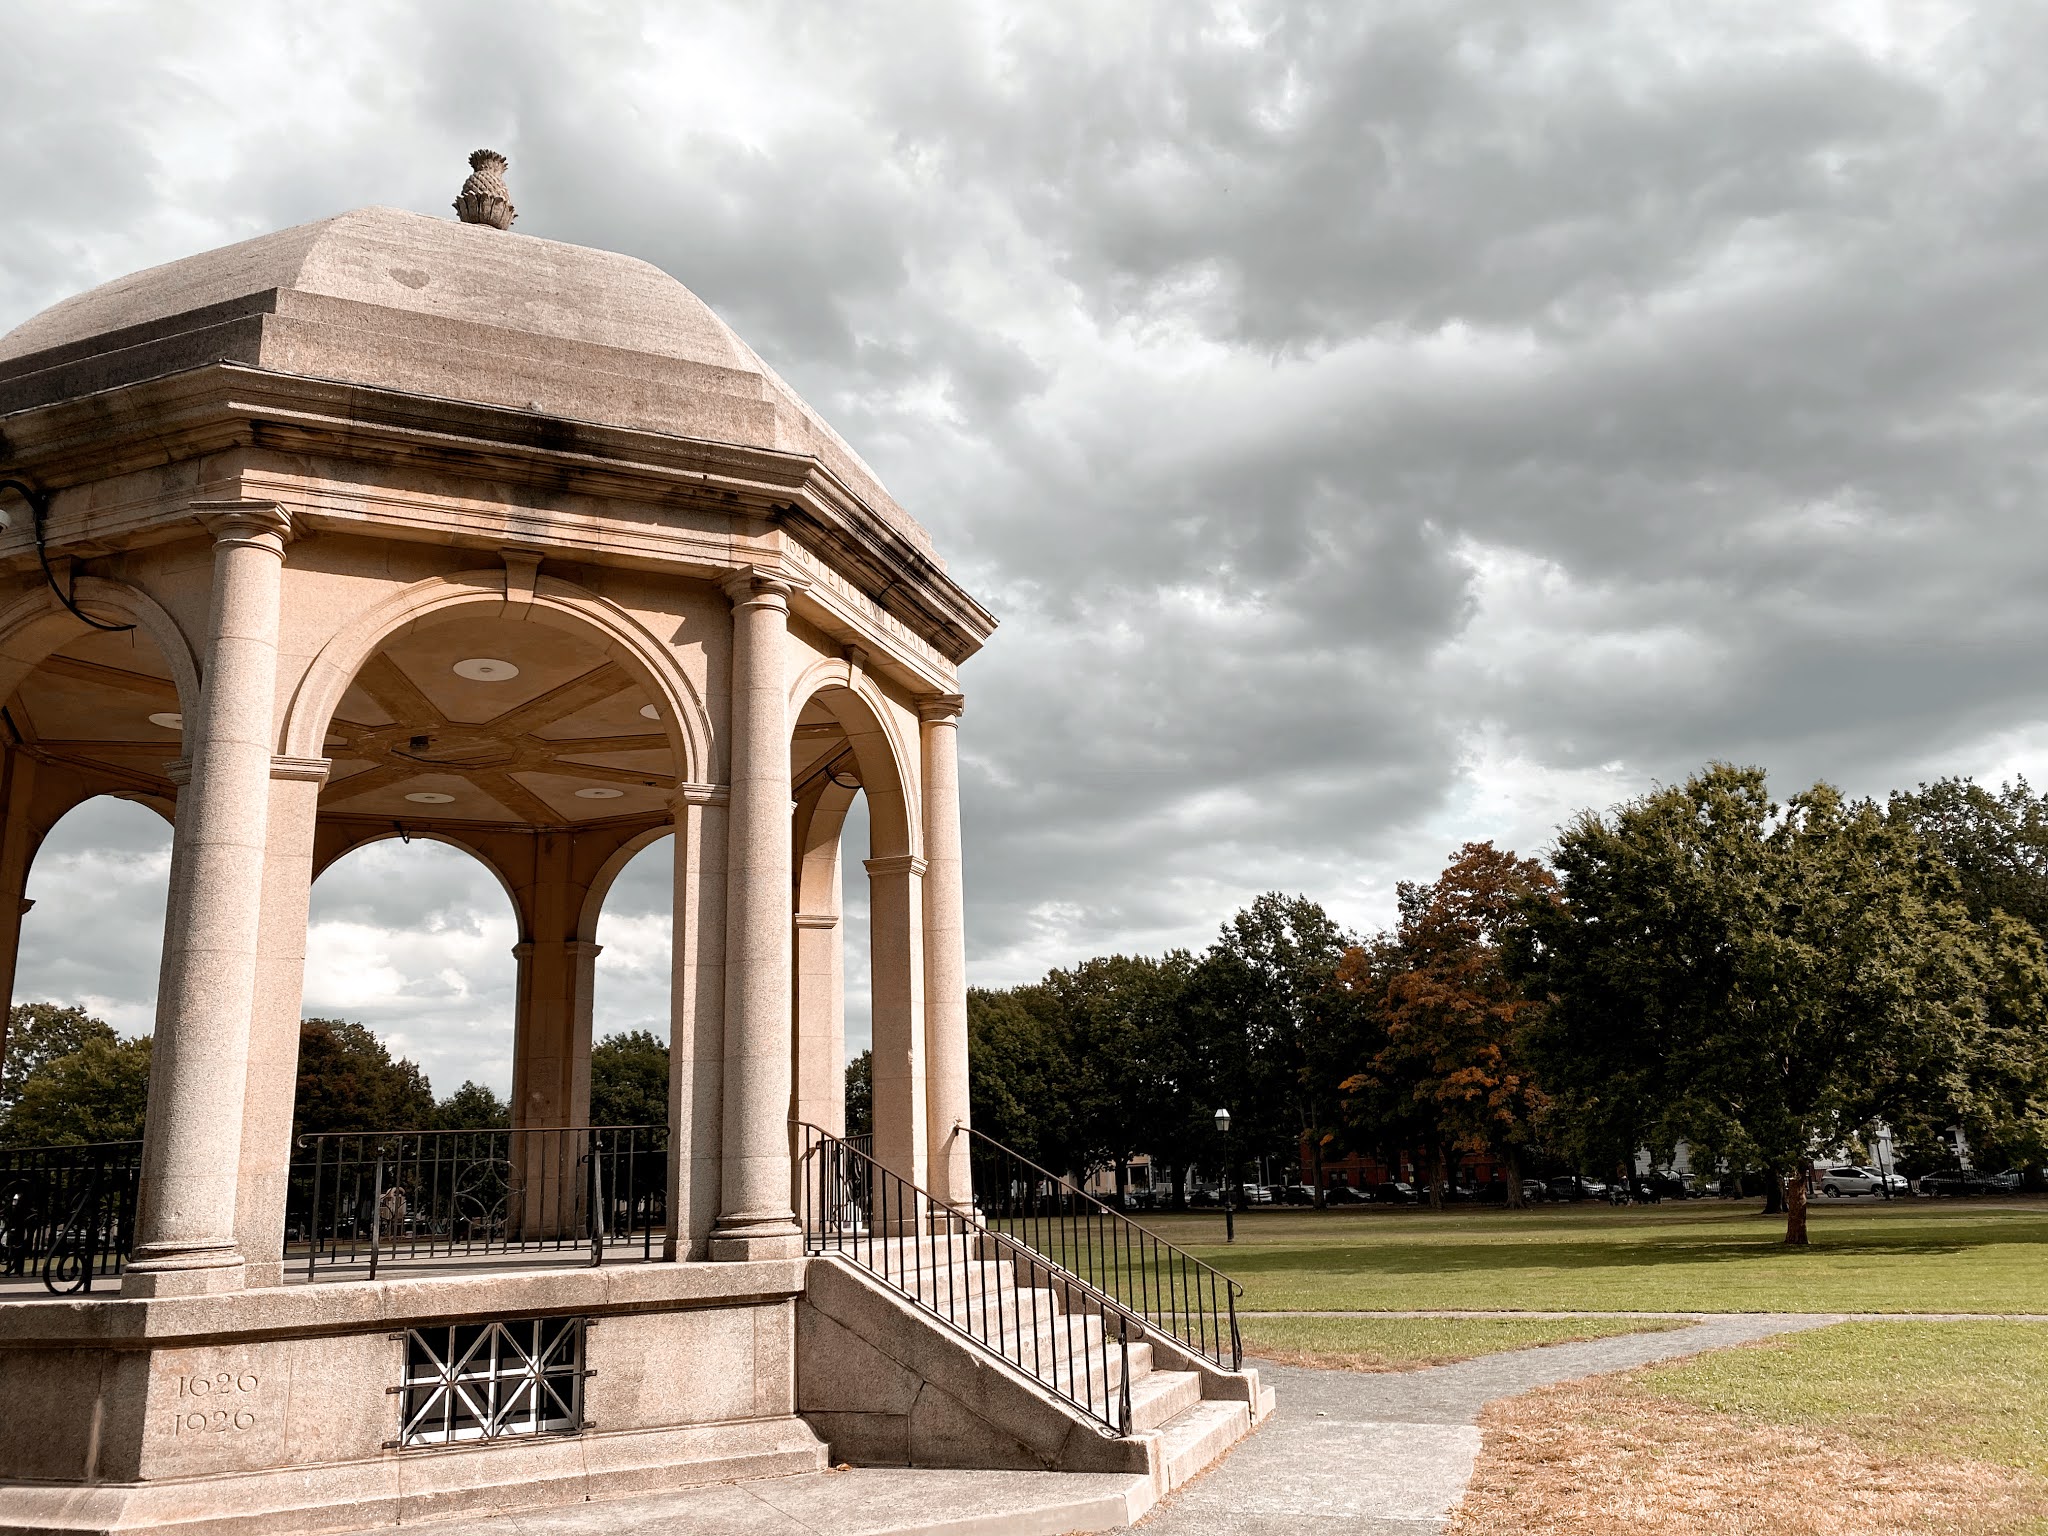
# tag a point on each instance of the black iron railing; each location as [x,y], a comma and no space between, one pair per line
[67,1213]
[1068,1337]
[382,1197]
[1190,1302]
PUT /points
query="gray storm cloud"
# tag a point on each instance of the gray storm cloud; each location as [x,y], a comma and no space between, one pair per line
[1375,426]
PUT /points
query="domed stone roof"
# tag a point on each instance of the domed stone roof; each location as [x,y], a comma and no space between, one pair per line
[403,301]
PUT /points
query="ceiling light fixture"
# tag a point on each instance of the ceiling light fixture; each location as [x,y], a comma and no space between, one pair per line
[486,669]
[599,792]
[170,722]
[430,797]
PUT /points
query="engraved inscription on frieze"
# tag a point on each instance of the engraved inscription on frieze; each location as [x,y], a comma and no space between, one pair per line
[215,1403]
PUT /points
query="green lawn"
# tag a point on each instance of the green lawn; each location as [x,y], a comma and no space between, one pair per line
[1405,1343]
[1972,1390]
[1708,1256]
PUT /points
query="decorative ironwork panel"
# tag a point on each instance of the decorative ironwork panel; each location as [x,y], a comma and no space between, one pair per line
[493,1381]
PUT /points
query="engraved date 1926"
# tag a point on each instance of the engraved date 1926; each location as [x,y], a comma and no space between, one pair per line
[219,1386]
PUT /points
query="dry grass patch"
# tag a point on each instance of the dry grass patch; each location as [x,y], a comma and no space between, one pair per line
[1865,1430]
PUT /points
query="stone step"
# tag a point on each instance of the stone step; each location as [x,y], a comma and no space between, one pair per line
[1193,1439]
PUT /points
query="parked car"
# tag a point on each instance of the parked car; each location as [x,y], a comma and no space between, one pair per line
[1298,1194]
[1393,1192]
[1344,1194]
[1835,1182]
[2008,1181]
[1253,1194]
[1967,1182]
[1666,1185]
[1571,1187]
[1535,1190]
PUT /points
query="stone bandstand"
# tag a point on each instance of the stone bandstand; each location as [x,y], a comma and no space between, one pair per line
[391,525]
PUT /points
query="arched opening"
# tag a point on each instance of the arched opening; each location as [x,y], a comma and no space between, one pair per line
[90,730]
[548,748]
[849,785]
[414,939]
[634,928]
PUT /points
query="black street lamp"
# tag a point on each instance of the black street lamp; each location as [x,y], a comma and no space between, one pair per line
[1229,1179]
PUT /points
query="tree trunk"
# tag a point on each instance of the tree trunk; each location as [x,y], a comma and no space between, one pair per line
[1795,1208]
[1436,1177]
[1177,1180]
[1774,1193]
[1123,1179]
[1515,1200]
[1316,1157]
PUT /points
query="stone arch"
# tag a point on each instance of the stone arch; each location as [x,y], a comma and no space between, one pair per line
[327,854]
[887,772]
[37,625]
[559,603]
[608,872]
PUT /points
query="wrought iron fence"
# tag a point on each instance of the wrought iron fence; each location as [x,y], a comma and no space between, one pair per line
[378,1197]
[1189,1301]
[67,1213]
[1070,1339]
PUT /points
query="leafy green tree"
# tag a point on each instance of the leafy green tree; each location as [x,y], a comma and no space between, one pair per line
[1020,1088]
[1997,843]
[1781,975]
[629,1079]
[1257,1002]
[860,1095]
[472,1107]
[39,1033]
[1115,1023]
[348,1081]
[98,1092]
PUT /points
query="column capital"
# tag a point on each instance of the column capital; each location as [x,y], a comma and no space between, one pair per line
[762,584]
[822,921]
[309,770]
[263,524]
[700,794]
[896,864]
[941,708]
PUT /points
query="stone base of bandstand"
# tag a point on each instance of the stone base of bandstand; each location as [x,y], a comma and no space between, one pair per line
[277,1411]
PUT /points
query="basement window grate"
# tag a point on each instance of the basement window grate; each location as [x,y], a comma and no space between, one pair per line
[492,1381]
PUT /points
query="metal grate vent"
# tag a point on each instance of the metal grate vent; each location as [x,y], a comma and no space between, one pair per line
[493,1381]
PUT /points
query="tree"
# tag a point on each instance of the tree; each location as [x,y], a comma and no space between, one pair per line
[348,1081]
[1257,1000]
[472,1107]
[629,1079]
[1770,977]
[39,1033]
[1996,843]
[98,1092]
[1019,1083]
[1451,1056]
[860,1095]
[1115,1031]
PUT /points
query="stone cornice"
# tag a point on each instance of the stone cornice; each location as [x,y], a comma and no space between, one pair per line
[213,410]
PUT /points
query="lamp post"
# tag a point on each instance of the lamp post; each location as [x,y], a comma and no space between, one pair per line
[1229,1179]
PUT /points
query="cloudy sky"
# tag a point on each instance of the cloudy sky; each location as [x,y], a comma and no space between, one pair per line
[1376,426]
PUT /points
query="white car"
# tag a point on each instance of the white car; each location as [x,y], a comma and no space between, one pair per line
[1859,1181]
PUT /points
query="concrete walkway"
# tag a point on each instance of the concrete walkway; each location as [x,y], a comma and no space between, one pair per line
[1389,1454]
[1360,1453]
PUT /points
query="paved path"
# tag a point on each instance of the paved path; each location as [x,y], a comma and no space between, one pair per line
[1370,1454]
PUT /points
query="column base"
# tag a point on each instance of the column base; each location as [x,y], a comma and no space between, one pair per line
[747,1239]
[182,1272]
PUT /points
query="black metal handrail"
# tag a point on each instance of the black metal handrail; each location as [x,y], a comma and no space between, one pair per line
[1191,1302]
[1012,1302]
[68,1213]
[378,1197]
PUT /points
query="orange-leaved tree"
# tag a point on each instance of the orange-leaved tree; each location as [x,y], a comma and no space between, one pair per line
[1450,1059]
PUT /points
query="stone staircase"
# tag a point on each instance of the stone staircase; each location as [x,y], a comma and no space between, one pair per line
[961,1350]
